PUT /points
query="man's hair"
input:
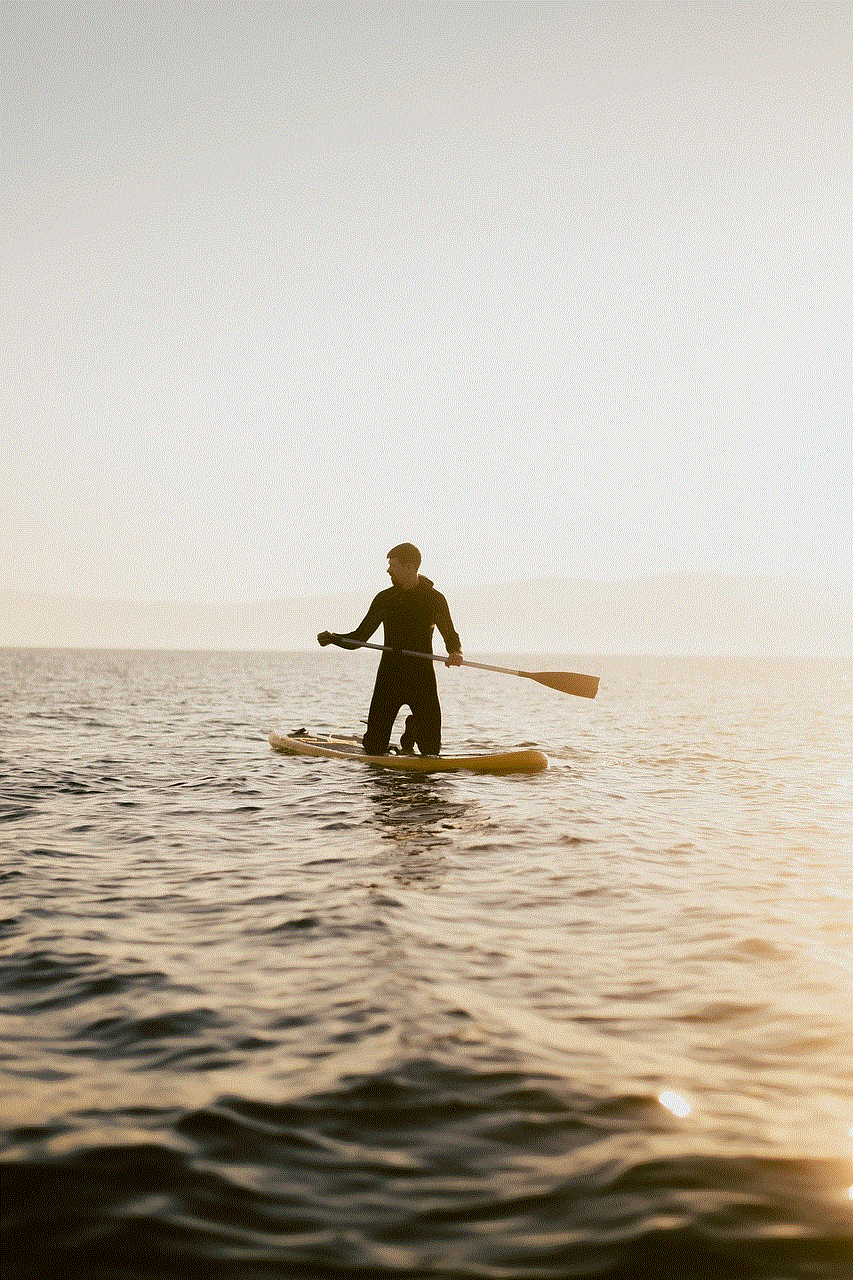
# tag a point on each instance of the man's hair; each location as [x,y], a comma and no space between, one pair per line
[406,552]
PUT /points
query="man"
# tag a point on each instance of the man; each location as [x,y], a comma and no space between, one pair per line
[409,610]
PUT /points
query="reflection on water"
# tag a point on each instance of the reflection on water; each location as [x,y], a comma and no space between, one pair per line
[418,817]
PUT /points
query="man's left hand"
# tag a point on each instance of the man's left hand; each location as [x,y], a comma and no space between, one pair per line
[453,660]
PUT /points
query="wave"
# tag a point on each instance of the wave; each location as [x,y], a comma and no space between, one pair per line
[423,1169]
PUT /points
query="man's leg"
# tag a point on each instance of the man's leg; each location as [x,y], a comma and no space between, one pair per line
[424,724]
[384,705]
[407,742]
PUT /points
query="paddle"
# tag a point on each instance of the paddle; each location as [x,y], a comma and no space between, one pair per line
[562,681]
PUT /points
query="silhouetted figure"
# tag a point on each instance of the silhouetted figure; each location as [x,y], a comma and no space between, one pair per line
[409,610]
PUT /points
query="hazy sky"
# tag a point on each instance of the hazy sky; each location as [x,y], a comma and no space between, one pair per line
[553,289]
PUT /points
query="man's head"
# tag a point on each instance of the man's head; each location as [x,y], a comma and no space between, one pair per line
[403,564]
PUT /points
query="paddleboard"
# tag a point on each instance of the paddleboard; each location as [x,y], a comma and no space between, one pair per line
[342,748]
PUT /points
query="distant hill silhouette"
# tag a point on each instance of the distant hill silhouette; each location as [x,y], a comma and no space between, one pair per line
[689,614]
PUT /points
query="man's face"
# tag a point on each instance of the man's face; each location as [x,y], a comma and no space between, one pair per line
[399,571]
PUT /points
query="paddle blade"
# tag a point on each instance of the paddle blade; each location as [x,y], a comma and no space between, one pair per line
[565,682]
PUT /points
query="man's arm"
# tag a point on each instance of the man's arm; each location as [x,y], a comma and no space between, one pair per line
[449,634]
[363,631]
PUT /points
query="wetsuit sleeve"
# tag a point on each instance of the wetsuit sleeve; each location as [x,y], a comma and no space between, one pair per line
[368,624]
[445,625]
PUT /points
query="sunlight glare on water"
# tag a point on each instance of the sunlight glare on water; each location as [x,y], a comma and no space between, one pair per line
[675,1103]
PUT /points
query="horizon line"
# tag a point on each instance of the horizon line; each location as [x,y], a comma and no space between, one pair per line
[728,656]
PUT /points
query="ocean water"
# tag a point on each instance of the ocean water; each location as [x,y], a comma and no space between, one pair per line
[280,1017]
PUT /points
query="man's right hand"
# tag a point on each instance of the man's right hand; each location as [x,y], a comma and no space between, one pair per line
[329,637]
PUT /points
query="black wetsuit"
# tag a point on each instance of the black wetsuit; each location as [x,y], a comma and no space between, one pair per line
[409,617]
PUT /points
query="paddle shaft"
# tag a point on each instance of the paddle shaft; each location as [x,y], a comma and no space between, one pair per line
[565,682]
[433,657]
